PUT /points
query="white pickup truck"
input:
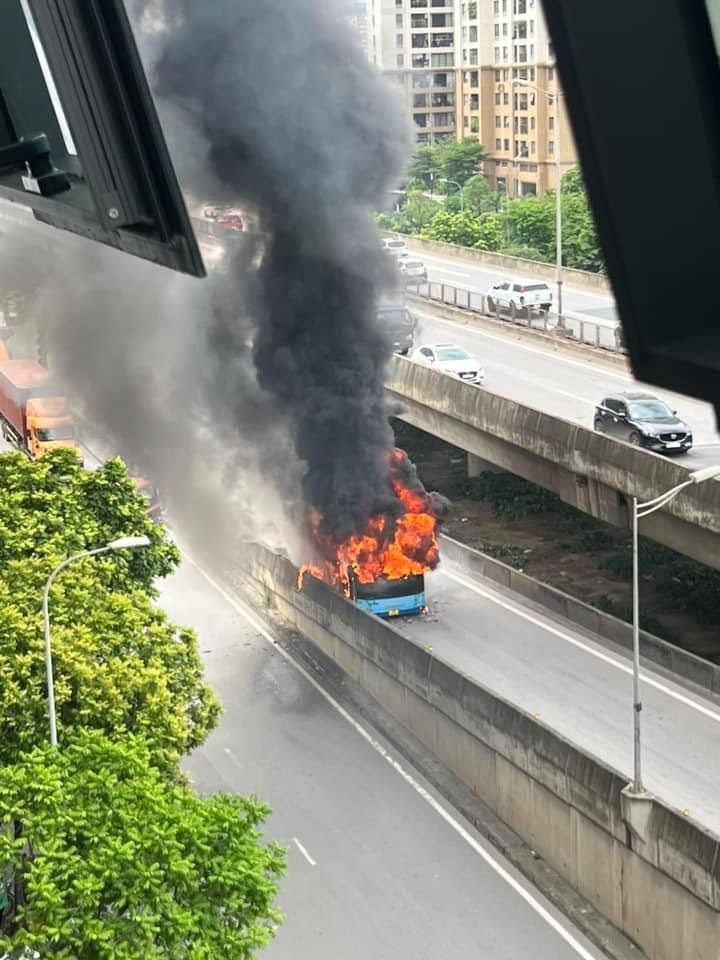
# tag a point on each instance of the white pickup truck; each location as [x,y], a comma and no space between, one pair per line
[519,297]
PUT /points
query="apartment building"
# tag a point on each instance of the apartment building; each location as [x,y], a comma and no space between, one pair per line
[417,43]
[458,63]
[361,17]
[505,44]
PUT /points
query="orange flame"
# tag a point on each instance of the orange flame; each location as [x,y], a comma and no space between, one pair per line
[391,549]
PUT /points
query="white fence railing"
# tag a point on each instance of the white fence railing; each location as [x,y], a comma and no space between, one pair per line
[574,326]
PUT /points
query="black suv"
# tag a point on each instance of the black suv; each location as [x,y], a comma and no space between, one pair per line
[399,325]
[644,420]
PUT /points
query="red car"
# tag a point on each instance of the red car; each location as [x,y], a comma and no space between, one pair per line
[232,221]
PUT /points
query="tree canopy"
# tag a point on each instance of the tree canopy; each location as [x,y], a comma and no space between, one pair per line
[447,159]
[106,852]
[120,664]
[110,861]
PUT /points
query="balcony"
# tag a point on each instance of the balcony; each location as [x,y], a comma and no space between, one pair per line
[441,40]
[419,21]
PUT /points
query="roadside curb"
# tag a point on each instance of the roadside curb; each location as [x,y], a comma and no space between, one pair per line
[531,336]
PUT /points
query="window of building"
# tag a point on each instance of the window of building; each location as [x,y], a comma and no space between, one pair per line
[506,144]
[498,144]
[521,101]
[497,72]
[506,74]
[496,7]
[443,80]
[418,40]
[474,57]
[474,102]
[474,125]
[398,20]
[501,185]
[441,40]
[423,138]
[497,31]
[442,100]
[506,122]
[520,52]
[505,54]
[520,30]
[506,99]
[441,20]
[532,51]
[442,59]
[419,99]
[532,73]
[520,8]
[474,78]
[443,119]
[466,122]
[551,147]
[400,60]
[497,56]
[418,21]
[421,81]
[532,123]
[504,6]
[420,119]
[532,146]
[505,29]
[531,27]
[551,123]
[498,99]
[399,3]
[498,121]
[473,34]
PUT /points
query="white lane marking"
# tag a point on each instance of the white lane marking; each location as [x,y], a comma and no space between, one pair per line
[450,273]
[250,617]
[304,852]
[232,756]
[586,647]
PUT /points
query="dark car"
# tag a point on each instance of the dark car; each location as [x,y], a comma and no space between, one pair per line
[644,420]
[399,325]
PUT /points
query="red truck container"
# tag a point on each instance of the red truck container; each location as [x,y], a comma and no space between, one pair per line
[32,415]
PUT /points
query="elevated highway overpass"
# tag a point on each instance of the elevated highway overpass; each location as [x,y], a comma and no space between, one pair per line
[590,471]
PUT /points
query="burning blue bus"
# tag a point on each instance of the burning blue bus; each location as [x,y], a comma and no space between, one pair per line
[402,597]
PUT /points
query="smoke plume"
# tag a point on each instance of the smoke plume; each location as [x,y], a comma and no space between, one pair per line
[303,130]
[263,384]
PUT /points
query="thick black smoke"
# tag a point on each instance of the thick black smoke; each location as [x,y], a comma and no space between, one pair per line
[302,129]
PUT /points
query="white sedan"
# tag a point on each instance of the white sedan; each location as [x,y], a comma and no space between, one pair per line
[414,271]
[449,358]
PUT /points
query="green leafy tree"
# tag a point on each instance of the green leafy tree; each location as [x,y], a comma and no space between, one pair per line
[572,181]
[530,222]
[416,214]
[465,230]
[425,165]
[477,197]
[459,161]
[110,861]
[120,664]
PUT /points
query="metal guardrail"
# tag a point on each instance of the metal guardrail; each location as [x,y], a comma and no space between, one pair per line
[575,326]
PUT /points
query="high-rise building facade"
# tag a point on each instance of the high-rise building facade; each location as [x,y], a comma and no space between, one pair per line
[461,65]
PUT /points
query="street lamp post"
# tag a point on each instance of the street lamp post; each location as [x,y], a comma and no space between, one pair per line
[123,543]
[554,98]
[640,510]
[460,191]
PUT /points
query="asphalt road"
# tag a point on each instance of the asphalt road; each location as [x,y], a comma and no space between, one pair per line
[469,276]
[375,868]
[560,385]
[579,686]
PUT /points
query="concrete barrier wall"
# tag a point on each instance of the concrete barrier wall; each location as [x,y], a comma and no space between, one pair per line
[680,662]
[596,282]
[532,335]
[655,875]
[589,470]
